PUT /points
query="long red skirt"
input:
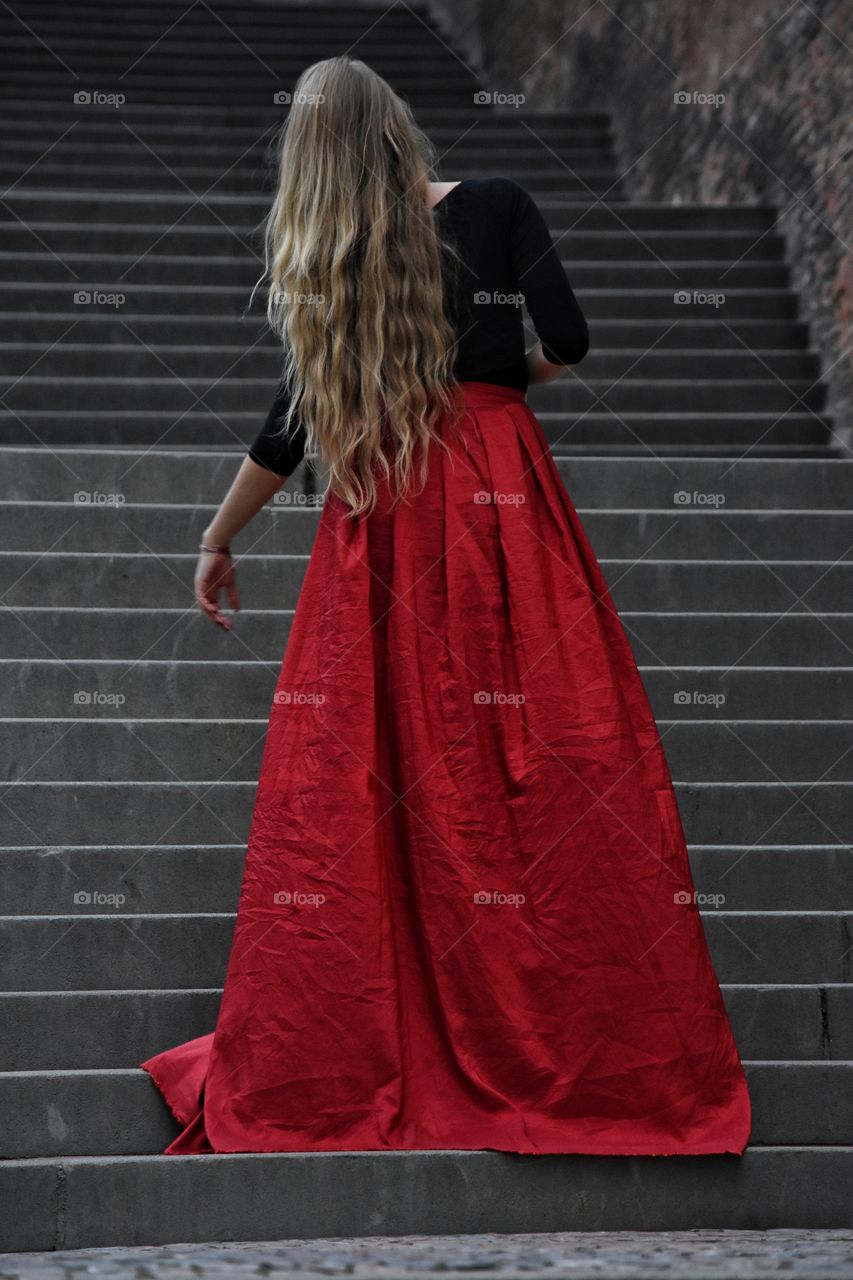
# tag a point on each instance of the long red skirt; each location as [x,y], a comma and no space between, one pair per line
[467,918]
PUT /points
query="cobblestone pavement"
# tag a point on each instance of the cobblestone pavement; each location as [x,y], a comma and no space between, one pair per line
[581,1255]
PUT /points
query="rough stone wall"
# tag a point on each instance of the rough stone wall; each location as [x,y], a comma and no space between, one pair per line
[782,134]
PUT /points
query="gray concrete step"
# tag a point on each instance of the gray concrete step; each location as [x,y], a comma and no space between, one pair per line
[93,16]
[560,213]
[101,325]
[165,88]
[579,181]
[556,404]
[233,300]
[94,1201]
[232,269]
[134,580]
[148,749]
[235,124]
[172,141]
[799,637]
[78,952]
[99,1029]
[687,530]
[119,1112]
[721,247]
[186,810]
[201,475]
[798,430]
[132,360]
[169,877]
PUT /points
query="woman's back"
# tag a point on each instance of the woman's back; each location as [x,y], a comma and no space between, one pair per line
[508,257]
[504,255]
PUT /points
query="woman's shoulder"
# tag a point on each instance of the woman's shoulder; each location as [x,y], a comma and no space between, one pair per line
[493,187]
[493,196]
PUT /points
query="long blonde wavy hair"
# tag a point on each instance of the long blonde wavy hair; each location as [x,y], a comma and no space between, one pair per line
[354,263]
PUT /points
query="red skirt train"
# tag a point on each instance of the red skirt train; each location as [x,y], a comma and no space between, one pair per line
[467,916]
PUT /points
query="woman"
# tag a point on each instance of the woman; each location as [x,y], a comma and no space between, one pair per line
[467,918]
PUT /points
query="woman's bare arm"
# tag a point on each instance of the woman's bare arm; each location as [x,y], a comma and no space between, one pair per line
[252,488]
[541,370]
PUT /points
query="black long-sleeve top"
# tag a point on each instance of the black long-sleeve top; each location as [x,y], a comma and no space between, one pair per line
[505,249]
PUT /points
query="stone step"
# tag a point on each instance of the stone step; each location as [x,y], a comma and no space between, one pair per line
[776,433]
[577,395]
[131,299]
[148,749]
[134,580]
[629,396]
[78,952]
[240,270]
[113,1112]
[446,126]
[722,248]
[100,519]
[100,1029]
[186,810]
[97,519]
[104,327]
[213,42]
[40,69]
[473,155]
[171,141]
[560,214]
[629,445]
[97,15]
[578,181]
[165,88]
[741,433]
[132,360]
[94,1201]
[169,878]
[217,49]
[800,637]
[202,475]
[761,485]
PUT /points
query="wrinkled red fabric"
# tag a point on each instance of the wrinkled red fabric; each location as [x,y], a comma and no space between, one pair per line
[467,918]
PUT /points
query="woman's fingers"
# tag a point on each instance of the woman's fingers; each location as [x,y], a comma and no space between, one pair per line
[214,574]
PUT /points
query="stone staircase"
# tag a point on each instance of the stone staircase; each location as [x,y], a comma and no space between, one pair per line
[694,442]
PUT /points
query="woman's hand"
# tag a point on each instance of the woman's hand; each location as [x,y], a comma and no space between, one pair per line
[215,573]
[252,487]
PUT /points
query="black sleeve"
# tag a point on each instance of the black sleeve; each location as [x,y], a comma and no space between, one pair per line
[273,449]
[557,318]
